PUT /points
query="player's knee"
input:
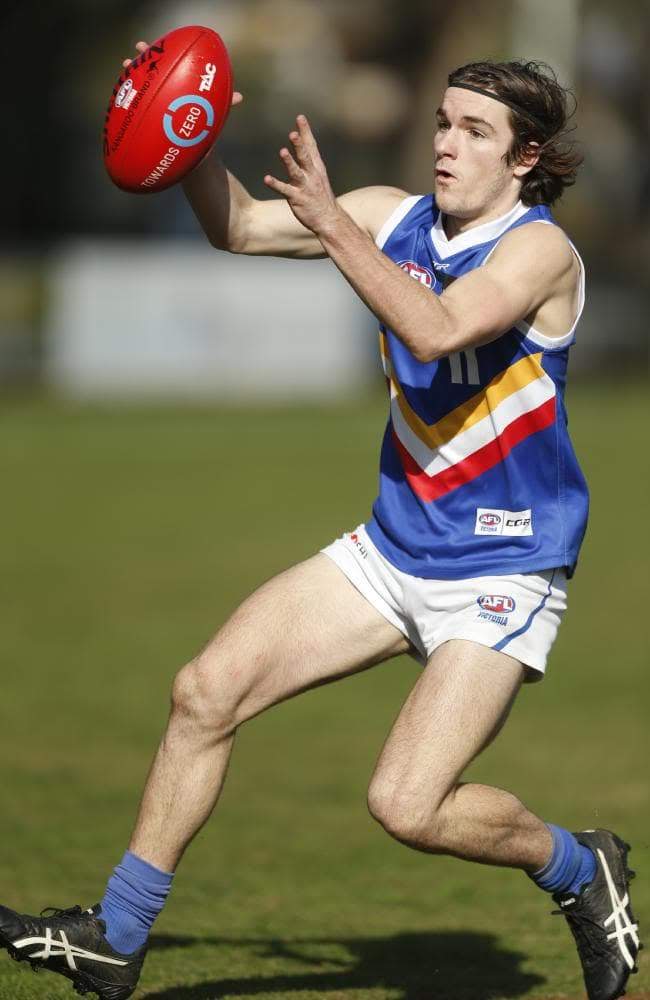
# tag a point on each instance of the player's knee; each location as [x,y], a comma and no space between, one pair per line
[202,699]
[406,817]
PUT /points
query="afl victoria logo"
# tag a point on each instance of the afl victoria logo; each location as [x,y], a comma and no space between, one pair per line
[198,111]
[490,519]
[497,603]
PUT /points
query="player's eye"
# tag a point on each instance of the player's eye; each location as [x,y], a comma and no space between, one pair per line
[475,134]
[443,126]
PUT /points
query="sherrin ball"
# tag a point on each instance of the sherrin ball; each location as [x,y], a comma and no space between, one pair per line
[166,110]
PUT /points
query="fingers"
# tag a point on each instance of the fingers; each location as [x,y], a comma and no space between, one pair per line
[301,154]
[297,165]
[284,189]
[294,171]
[237,98]
[307,140]
[141,47]
[304,143]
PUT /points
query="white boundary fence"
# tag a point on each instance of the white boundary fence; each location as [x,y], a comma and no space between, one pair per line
[129,319]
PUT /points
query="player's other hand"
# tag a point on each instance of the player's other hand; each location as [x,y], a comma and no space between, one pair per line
[237,98]
[307,188]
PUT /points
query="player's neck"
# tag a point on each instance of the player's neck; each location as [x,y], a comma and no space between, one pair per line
[455,225]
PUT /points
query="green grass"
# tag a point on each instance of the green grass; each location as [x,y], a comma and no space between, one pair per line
[128,536]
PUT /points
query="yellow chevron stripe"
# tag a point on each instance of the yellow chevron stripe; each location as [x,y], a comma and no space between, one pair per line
[384,352]
[507,382]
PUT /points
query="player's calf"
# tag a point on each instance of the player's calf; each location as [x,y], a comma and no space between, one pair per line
[468,821]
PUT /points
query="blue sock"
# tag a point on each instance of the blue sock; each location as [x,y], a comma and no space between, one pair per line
[135,895]
[570,866]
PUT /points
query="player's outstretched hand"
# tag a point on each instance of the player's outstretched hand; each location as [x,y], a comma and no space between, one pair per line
[308,188]
[237,98]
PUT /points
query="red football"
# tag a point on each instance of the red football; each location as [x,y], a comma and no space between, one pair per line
[167,109]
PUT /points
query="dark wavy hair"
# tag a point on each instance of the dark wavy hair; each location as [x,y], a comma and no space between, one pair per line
[540,116]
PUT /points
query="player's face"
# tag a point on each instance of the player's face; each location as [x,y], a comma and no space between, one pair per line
[472,177]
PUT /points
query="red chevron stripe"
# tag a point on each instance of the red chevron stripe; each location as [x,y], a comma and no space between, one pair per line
[432,487]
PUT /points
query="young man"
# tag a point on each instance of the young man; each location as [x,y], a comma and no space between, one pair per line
[481,513]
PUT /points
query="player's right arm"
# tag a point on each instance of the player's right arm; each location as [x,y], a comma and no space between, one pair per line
[235,221]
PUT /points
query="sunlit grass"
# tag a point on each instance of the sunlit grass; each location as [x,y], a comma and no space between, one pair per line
[128,536]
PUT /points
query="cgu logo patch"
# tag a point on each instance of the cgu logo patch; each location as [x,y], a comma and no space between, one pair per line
[421,274]
[498,604]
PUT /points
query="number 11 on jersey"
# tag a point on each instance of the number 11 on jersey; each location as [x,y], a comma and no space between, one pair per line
[471,367]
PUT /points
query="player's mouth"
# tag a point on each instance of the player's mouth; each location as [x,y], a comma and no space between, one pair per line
[444,175]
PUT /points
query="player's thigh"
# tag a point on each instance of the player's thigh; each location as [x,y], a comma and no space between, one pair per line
[305,627]
[456,708]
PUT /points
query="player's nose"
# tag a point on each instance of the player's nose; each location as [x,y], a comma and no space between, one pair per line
[445,144]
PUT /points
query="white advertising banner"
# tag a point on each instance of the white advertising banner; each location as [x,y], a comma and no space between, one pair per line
[132,319]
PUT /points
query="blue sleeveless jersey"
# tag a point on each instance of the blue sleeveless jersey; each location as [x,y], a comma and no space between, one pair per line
[478,475]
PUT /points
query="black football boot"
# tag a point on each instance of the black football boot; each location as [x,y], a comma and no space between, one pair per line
[600,918]
[72,943]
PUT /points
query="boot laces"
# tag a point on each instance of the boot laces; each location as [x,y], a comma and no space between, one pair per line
[55,911]
[590,936]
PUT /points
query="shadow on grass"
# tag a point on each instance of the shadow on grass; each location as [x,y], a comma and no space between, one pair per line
[437,966]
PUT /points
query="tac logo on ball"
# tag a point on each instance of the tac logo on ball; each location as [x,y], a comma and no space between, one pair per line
[197,108]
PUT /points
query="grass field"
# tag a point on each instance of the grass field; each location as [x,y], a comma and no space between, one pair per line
[127,537]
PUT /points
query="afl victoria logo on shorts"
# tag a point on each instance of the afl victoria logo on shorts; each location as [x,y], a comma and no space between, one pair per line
[495,608]
[498,603]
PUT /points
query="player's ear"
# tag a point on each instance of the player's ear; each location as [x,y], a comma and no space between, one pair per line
[528,159]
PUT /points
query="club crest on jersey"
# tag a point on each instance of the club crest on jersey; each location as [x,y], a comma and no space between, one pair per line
[421,274]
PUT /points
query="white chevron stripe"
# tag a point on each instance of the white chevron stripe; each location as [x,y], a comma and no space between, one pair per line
[622,923]
[433,461]
[58,949]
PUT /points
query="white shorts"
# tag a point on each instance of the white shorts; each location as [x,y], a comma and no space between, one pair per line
[519,614]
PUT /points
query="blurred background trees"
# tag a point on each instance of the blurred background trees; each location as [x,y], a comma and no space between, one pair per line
[370,75]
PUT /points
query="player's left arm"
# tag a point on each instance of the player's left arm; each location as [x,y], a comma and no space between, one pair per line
[529,267]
